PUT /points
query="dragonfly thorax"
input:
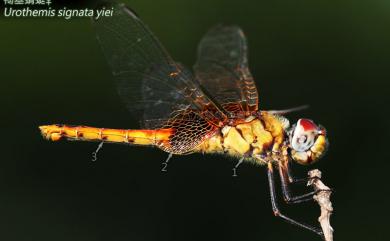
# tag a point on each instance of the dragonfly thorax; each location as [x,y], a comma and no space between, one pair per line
[255,138]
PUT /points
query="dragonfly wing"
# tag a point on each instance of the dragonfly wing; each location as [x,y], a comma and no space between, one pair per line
[190,130]
[222,69]
[152,85]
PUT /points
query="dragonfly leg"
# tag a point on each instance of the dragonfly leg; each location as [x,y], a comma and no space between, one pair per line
[275,207]
[285,181]
[165,163]
[94,154]
[236,166]
[290,176]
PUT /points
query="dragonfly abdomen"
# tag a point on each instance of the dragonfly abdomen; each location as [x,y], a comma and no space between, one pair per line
[86,133]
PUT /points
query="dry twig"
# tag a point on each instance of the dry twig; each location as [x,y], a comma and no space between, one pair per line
[323,199]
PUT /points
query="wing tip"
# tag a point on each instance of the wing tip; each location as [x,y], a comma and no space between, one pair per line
[119,7]
[129,11]
[225,26]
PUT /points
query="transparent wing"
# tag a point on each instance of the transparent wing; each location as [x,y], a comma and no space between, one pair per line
[156,89]
[190,130]
[150,83]
[222,69]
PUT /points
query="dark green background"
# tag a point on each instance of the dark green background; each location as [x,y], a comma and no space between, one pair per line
[333,55]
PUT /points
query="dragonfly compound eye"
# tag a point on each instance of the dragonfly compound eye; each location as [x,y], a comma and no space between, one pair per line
[308,142]
[303,135]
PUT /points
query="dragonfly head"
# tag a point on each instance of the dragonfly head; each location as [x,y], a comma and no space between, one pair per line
[308,142]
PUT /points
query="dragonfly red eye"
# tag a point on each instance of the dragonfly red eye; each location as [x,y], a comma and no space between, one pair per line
[307,125]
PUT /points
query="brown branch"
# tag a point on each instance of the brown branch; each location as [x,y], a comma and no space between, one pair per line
[323,199]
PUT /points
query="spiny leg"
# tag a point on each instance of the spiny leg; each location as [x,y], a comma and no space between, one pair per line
[285,181]
[165,163]
[275,207]
[290,176]
[236,166]
[94,154]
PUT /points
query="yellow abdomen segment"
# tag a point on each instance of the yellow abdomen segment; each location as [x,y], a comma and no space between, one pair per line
[86,133]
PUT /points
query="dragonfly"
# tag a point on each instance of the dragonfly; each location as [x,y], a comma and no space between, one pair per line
[213,109]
